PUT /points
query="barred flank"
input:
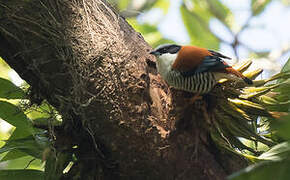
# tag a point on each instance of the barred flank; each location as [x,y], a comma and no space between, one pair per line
[198,83]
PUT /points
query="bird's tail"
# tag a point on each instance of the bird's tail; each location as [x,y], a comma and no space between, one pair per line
[238,74]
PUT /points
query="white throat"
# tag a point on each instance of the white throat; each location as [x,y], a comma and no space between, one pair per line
[164,63]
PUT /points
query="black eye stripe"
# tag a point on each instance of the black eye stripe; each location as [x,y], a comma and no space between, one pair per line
[163,50]
[172,49]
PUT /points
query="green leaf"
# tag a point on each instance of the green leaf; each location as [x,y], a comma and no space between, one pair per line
[45,110]
[142,28]
[14,116]
[123,4]
[120,5]
[286,67]
[31,145]
[45,122]
[54,166]
[4,68]
[8,90]
[25,162]
[250,107]
[14,154]
[18,134]
[258,6]
[17,174]
[273,104]
[162,4]
[283,94]
[243,66]
[253,74]
[251,92]
[264,171]
[220,11]
[282,127]
[198,28]
[278,152]
[149,32]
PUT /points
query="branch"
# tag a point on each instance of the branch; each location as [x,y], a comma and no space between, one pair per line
[86,61]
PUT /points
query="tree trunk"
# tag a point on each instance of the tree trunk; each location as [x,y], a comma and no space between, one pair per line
[86,61]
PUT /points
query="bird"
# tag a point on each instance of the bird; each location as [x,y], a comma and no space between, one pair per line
[194,69]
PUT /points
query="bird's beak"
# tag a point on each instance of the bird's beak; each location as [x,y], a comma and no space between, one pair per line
[155,53]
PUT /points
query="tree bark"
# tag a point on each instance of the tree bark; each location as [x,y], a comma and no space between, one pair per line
[86,61]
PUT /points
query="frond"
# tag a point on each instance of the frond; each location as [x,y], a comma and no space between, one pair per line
[241,116]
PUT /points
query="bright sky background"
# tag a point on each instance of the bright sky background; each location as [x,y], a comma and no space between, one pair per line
[270,30]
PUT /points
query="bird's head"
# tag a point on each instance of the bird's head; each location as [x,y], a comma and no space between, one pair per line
[166,55]
[166,49]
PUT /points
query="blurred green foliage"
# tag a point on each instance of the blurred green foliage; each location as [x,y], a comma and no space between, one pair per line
[24,146]
[198,27]
[274,162]
[257,6]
